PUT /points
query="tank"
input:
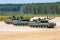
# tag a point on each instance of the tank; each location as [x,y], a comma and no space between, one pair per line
[10,19]
[41,23]
[21,22]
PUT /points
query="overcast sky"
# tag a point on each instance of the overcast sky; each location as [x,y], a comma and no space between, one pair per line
[26,1]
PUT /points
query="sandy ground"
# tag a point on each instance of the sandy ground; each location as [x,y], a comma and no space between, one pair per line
[47,34]
[10,32]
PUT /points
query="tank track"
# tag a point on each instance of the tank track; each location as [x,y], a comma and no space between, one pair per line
[20,24]
[41,26]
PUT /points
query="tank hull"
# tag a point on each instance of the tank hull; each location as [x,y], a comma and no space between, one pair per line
[8,21]
[20,23]
[42,25]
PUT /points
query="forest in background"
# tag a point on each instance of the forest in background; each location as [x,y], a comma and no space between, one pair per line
[30,9]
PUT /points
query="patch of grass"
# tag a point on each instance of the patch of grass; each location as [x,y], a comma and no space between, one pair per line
[3,17]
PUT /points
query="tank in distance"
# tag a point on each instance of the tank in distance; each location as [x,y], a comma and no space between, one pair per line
[21,21]
[10,20]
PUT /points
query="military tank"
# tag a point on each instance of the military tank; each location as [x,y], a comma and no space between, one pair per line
[20,22]
[10,19]
[41,23]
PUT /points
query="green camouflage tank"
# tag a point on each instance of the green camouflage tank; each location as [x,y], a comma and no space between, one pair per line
[10,19]
[21,21]
[41,23]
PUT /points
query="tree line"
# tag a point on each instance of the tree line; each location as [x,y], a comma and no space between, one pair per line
[41,8]
[31,8]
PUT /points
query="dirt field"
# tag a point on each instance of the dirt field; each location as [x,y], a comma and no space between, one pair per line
[10,32]
[47,34]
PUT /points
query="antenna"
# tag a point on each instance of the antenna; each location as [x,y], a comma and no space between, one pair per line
[47,11]
[55,10]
